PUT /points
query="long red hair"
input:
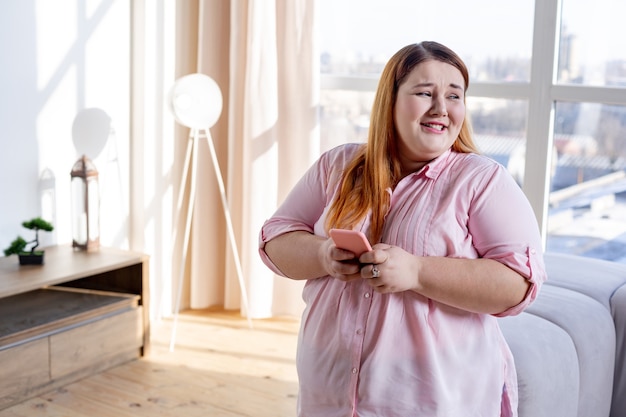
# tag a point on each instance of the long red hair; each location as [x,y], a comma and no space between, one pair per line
[376,167]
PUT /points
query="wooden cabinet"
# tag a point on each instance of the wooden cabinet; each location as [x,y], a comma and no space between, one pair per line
[79,314]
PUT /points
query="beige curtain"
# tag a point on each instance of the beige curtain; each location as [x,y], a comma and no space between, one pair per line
[263,55]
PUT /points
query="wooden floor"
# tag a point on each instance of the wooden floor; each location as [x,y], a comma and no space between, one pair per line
[219,367]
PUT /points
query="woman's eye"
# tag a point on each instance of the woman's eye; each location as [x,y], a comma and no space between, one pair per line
[424,93]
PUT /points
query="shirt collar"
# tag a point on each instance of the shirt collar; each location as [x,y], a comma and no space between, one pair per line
[436,166]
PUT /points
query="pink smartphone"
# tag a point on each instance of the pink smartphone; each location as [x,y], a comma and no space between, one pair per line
[351,240]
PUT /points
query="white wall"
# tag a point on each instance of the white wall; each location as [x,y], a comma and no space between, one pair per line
[60,57]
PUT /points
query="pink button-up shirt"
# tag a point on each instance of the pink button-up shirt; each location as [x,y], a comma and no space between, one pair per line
[361,353]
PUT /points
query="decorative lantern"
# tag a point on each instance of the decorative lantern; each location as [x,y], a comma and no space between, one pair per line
[85,205]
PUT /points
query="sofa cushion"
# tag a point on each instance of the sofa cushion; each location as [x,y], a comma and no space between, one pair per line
[605,282]
[596,278]
[547,366]
[591,328]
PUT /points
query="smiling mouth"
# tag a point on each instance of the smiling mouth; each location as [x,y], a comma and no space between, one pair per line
[435,126]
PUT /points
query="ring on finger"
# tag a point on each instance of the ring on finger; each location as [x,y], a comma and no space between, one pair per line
[375,272]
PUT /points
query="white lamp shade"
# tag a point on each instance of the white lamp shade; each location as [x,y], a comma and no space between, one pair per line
[196,101]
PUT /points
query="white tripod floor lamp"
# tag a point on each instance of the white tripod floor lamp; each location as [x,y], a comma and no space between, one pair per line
[196,102]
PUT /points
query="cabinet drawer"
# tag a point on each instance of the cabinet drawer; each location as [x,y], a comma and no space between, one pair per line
[97,345]
[21,368]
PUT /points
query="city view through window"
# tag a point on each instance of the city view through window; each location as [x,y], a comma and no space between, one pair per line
[587,202]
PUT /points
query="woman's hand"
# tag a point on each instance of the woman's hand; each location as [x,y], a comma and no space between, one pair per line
[397,269]
[339,263]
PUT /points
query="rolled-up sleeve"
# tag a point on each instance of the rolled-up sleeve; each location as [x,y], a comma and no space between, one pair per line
[504,228]
[536,277]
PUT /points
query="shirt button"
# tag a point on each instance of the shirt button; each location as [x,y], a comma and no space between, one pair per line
[359,331]
[367,295]
[533,251]
[354,370]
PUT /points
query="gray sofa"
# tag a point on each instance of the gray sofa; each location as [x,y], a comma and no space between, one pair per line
[570,344]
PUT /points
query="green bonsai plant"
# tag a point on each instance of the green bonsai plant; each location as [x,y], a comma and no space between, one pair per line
[19,245]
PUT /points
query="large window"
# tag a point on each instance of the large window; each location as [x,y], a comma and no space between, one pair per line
[547,97]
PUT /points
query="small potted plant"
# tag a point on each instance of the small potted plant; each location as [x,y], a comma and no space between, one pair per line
[19,245]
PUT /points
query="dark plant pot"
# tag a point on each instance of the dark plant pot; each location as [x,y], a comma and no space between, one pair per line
[31,258]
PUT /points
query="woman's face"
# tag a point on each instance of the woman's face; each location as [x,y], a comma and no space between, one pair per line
[429,113]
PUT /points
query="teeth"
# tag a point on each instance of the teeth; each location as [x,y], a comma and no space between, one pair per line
[438,127]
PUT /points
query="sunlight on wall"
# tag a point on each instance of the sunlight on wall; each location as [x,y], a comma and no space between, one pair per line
[82,61]
[55,24]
